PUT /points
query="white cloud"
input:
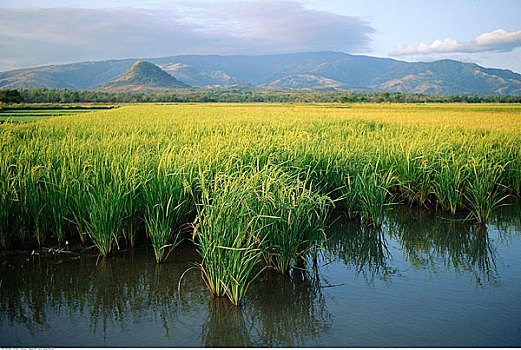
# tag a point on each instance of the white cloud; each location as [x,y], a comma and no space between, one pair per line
[496,41]
[38,36]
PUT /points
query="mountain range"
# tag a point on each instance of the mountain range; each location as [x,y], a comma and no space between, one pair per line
[313,70]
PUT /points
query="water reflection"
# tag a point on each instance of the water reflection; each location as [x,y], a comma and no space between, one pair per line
[364,248]
[109,293]
[225,325]
[288,310]
[426,241]
[41,298]
[280,310]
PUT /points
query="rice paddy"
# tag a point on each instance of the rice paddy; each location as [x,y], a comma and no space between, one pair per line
[29,113]
[250,185]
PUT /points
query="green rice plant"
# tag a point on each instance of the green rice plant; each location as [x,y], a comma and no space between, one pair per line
[513,167]
[79,197]
[291,215]
[134,200]
[57,196]
[58,212]
[374,194]
[483,192]
[101,209]
[9,211]
[104,216]
[449,181]
[414,171]
[226,236]
[168,206]
[349,195]
[35,203]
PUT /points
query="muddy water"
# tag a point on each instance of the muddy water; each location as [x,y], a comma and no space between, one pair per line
[422,281]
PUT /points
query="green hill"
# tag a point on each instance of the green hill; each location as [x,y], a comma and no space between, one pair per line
[144,76]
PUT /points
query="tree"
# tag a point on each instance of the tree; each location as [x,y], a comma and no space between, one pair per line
[10,96]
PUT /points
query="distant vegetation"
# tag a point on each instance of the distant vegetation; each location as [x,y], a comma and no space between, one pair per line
[10,96]
[245,94]
[34,112]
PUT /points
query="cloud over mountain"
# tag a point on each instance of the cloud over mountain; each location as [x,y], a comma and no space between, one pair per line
[37,36]
[497,41]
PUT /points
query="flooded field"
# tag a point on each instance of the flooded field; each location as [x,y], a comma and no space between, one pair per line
[423,280]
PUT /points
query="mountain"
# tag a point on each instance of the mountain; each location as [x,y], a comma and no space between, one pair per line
[312,70]
[143,76]
[74,76]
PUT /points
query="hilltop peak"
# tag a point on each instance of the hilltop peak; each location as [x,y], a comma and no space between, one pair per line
[144,75]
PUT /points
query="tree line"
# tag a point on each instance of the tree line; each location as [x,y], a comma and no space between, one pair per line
[43,95]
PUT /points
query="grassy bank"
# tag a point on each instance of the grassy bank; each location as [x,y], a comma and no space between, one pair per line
[256,181]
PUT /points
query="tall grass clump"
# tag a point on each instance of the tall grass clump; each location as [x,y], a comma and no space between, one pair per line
[451,176]
[9,210]
[370,192]
[226,235]
[483,191]
[414,171]
[35,203]
[167,206]
[100,210]
[293,216]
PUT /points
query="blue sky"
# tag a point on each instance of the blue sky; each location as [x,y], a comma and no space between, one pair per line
[36,33]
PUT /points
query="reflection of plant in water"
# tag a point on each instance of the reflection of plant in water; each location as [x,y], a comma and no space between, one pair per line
[482,255]
[506,219]
[104,304]
[287,310]
[225,325]
[23,298]
[361,246]
[107,294]
[426,239]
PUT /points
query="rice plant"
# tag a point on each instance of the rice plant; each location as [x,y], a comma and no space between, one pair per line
[66,178]
[167,207]
[482,191]
[102,207]
[374,195]
[449,182]
[291,215]
[226,236]
[9,208]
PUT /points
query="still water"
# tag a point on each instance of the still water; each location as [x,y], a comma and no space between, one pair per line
[422,281]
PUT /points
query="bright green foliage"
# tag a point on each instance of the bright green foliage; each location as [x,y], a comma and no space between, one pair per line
[227,235]
[449,182]
[374,196]
[482,192]
[291,214]
[84,178]
[167,207]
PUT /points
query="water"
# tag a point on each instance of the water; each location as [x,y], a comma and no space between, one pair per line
[422,281]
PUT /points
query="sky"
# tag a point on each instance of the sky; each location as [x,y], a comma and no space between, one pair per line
[36,32]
